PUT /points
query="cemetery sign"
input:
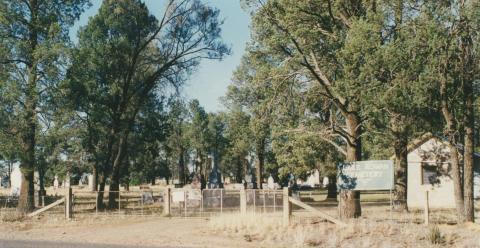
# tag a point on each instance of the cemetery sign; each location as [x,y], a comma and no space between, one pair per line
[366,175]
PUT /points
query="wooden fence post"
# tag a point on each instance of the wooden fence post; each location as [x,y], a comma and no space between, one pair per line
[287,206]
[166,201]
[68,204]
[243,202]
[426,211]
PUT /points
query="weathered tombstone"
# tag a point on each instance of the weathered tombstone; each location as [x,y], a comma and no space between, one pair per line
[91,186]
[16,182]
[55,182]
[147,197]
[67,181]
[313,180]
[325,181]
[215,178]
[36,180]
[196,184]
[270,183]
[228,180]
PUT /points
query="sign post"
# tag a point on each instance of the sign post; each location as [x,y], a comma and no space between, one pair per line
[366,175]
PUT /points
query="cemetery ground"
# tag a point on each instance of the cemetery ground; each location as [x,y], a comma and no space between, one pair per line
[378,227]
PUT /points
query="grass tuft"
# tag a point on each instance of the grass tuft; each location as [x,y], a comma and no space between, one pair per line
[435,236]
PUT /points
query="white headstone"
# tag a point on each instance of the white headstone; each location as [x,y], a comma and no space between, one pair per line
[16,179]
[314,179]
[271,183]
[36,180]
[90,183]
[325,181]
[55,182]
[67,181]
[248,178]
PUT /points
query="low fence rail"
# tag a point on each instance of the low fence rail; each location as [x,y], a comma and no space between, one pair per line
[202,203]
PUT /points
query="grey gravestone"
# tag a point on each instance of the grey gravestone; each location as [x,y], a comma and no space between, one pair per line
[215,178]
[196,183]
[147,198]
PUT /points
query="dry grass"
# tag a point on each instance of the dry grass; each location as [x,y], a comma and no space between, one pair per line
[268,231]
[11,216]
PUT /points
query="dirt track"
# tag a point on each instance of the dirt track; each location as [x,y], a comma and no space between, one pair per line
[120,232]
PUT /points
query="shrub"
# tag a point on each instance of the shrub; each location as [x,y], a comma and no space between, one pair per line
[435,236]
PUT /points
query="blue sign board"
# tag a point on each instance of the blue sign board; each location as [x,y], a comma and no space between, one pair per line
[366,175]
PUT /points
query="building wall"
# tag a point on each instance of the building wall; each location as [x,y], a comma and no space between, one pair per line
[441,194]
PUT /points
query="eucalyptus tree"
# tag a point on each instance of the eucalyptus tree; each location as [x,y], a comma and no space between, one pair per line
[33,39]
[125,54]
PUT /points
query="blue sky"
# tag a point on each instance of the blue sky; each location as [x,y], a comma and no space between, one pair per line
[210,82]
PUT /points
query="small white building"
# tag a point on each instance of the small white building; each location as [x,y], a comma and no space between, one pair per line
[429,169]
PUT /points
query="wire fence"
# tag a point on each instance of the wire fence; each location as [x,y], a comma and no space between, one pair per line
[380,206]
[190,202]
[377,206]
[118,202]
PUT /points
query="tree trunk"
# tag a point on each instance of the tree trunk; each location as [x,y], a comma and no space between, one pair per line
[9,174]
[401,173]
[450,126]
[26,200]
[468,153]
[332,188]
[113,192]
[260,163]
[41,179]
[181,167]
[457,183]
[239,170]
[94,182]
[349,205]
[101,191]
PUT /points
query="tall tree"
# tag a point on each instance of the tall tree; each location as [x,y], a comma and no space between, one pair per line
[396,102]
[33,35]
[451,29]
[129,54]
[198,134]
[239,137]
[311,54]
[177,141]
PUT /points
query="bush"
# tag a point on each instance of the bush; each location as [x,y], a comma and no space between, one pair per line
[435,236]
